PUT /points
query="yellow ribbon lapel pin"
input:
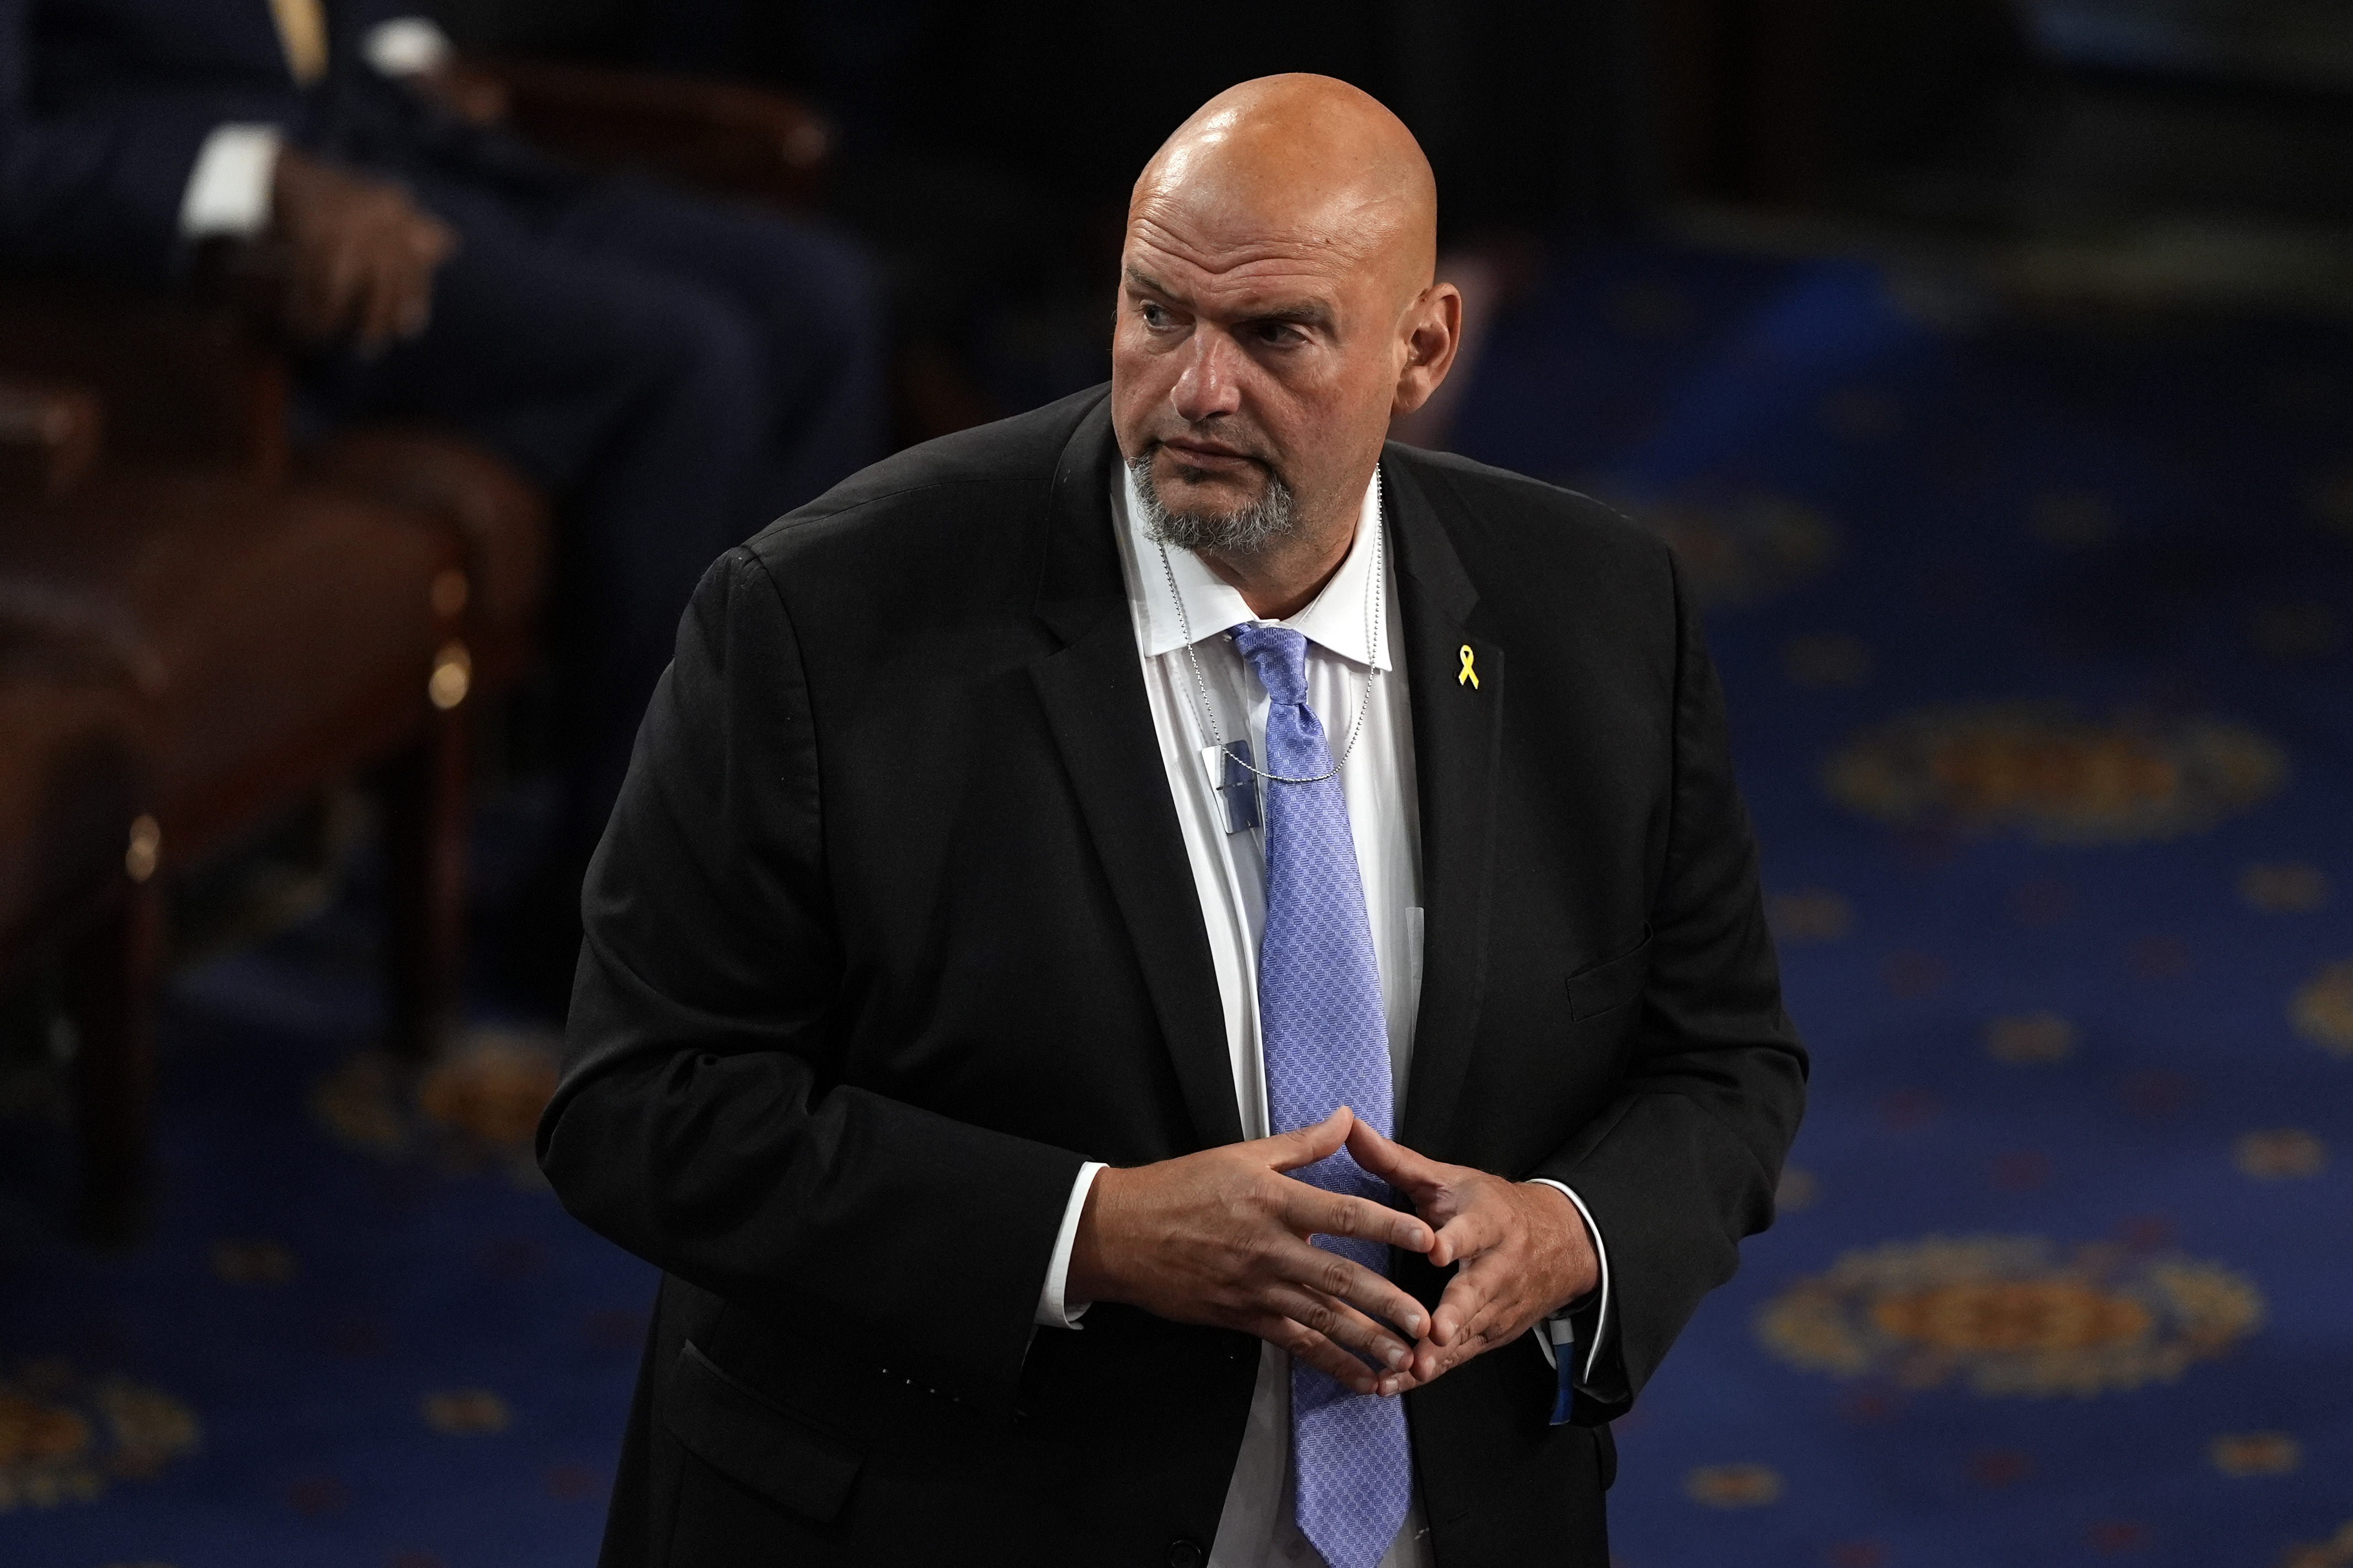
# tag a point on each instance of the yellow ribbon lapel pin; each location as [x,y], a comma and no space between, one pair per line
[1470,675]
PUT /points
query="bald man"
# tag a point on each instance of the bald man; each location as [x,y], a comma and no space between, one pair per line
[1174,982]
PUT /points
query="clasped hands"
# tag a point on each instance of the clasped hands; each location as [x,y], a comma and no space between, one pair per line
[1221,1237]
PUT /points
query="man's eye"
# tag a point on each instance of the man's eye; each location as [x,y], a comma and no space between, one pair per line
[1155,316]
[1278,333]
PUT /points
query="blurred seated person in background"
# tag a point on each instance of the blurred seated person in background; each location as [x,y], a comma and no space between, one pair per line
[673,371]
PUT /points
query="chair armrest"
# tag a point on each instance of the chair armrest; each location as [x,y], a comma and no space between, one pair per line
[744,141]
[184,382]
[49,437]
[502,520]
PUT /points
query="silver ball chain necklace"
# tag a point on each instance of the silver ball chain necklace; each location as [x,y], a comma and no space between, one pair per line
[1375,599]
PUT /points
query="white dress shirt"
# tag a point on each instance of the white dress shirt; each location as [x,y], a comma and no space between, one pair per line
[1348,649]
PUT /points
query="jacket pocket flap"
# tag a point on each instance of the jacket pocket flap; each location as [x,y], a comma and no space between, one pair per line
[1612,983]
[753,1442]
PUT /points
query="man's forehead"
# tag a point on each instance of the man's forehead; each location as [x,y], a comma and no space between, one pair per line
[1247,260]
[1261,290]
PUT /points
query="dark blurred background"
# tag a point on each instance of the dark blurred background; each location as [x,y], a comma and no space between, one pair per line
[987,150]
[1988,362]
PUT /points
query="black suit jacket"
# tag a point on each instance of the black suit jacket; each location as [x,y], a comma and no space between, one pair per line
[893,927]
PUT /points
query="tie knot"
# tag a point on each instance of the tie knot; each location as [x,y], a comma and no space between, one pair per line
[1279,657]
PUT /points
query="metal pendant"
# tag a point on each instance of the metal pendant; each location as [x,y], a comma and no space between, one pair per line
[1236,785]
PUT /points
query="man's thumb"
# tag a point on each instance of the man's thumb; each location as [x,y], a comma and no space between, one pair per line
[1305,1145]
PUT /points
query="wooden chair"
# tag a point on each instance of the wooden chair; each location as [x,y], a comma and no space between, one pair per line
[204,627]
[210,642]
[714,136]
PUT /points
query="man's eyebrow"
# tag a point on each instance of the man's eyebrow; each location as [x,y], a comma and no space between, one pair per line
[1307,313]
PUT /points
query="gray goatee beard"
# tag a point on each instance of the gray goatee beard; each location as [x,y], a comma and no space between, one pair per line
[1243,532]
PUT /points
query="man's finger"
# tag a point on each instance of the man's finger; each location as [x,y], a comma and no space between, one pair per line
[1468,1233]
[419,313]
[1344,1280]
[1342,1325]
[1391,1161]
[1480,1304]
[431,243]
[381,297]
[1305,1344]
[439,243]
[1431,1362]
[338,301]
[1460,1305]
[1312,1211]
[412,303]
[1305,1145]
[1468,1334]
[1446,1322]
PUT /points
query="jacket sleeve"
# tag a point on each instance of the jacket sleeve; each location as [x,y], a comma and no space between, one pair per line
[1682,1163]
[100,184]
[702,1120]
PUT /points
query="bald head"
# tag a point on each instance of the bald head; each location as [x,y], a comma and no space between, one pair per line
[1299,157]
[1276,310]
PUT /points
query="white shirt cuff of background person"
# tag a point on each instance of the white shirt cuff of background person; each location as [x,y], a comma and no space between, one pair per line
[228,194]
[1055,1311]
[228,190]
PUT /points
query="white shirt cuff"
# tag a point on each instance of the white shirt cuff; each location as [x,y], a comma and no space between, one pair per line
[406,46]
[228,193]
[1601,1313]
[1053,1311]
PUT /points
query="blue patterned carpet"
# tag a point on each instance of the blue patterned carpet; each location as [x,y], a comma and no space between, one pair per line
[2037,642]
[2036,648]
[364,1332]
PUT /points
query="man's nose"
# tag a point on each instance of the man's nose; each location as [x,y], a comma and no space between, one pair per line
[1210,383]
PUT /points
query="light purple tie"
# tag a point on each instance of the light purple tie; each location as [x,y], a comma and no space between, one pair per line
[1326,1042]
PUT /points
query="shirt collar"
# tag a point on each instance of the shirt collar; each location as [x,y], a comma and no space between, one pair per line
[1333,620]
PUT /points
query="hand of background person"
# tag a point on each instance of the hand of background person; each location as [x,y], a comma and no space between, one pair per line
[360,256]
[1522,1246]
[1221,1237]
[472,95]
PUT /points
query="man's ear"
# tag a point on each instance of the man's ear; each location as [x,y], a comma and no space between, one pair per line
[1433,331]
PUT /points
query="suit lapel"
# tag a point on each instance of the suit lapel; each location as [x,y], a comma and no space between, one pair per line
[1456,738]
[1101,719]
